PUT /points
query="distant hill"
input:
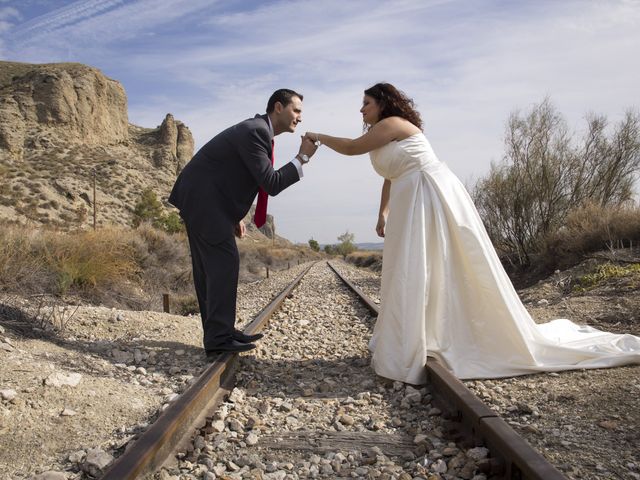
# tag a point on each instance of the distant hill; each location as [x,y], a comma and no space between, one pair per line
[370,246]
[361,246]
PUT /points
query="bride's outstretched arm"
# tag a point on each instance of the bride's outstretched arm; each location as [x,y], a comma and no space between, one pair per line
[380,134]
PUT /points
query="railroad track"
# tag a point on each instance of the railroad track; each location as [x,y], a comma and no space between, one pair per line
[307,404]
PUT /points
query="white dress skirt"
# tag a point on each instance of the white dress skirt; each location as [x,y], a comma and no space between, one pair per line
[445,293]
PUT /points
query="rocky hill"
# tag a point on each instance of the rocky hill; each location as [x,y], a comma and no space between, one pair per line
[64,127]
[64,130]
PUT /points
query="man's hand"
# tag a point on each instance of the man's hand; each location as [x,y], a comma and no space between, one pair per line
[307,147]
[240,229]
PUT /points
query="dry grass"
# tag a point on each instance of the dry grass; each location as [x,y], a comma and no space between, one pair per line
[366,258]
[255,258]
[39,261]
[89,260]
[119,267]
[590,229]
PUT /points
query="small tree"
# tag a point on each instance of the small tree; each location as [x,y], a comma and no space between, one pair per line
[315,246]
[346,246]
[149,209]
[330,249]
[545,175]
[171,223]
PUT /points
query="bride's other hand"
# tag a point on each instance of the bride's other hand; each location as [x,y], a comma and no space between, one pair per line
[380,226]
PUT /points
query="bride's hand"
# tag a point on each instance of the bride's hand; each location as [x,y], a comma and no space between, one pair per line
[313,137]
[380,226]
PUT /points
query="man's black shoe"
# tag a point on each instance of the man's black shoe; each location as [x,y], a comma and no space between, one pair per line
[233,346]
[241,337]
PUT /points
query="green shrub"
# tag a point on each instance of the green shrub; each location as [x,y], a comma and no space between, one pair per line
[545,174]
[315,246]
[604,272]
[149,209]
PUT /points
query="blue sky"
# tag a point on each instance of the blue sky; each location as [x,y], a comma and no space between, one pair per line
[467,64]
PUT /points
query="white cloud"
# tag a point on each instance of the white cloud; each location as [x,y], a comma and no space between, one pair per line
[9,12]
[5,26]
[95,26]
[467,65]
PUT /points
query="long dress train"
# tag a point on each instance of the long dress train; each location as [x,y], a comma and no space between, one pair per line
[445,294]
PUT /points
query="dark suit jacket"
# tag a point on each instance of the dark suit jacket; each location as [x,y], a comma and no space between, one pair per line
[216,188]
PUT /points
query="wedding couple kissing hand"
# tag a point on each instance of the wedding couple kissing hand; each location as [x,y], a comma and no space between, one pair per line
[307,149]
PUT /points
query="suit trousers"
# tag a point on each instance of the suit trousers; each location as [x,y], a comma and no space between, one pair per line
[215,277]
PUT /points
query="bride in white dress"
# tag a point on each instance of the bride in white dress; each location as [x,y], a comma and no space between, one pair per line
[444,292]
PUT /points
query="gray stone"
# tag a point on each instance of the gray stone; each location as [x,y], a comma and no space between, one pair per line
[8,394]
[439,466]
[235,425]
[121,356]
[236,395]
[219,469]
[77,457]
[218,425]
[51,475]
[477,453]
[346,420]
[96,461]
[251,439]
[277,475]
[59,379]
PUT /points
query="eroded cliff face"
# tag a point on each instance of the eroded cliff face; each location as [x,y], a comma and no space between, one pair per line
[64,127]
[76,103]
[176,143]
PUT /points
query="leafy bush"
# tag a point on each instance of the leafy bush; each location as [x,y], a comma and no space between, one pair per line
[315,246]
[330,250]
[604,272]
[149,209]
[545,175]
[171,223]
[346,246]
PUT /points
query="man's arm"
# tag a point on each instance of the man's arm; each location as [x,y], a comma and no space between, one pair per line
[254,148]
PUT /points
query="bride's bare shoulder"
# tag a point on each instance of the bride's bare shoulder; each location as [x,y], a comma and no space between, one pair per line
[401,127]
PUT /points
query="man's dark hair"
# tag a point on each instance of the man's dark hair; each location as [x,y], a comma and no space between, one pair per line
[284,96]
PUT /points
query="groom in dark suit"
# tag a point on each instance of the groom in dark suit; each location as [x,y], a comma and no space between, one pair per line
[215,191]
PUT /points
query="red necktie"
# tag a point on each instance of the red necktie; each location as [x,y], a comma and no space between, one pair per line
[261,208]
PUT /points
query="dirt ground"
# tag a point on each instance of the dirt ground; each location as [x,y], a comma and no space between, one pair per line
[72,398]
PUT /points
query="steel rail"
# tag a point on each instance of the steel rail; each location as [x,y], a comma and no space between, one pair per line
[177,423]
[514,458]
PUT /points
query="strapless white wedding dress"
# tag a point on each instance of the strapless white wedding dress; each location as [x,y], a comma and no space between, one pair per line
[445,294]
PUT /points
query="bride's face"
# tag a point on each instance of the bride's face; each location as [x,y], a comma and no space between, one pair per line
[370,110]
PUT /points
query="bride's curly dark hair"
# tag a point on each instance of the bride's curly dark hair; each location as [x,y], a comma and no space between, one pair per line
[394,103]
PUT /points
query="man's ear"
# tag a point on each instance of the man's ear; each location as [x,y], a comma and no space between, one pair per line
[278,107]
